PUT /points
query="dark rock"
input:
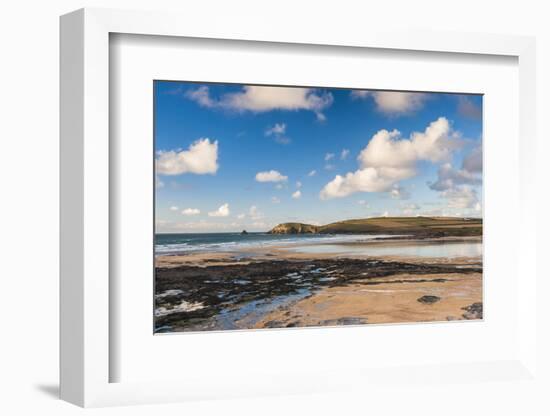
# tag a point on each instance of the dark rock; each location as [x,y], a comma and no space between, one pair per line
[218,288]
[428,299]
[244,232]
[473,311]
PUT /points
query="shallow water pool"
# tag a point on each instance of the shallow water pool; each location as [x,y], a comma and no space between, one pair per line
[451,249]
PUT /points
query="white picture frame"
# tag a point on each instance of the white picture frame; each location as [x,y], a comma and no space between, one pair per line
[85,211]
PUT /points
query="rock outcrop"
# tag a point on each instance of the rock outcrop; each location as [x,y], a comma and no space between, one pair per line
[294,228]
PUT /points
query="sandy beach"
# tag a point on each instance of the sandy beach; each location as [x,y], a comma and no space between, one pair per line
[304,285]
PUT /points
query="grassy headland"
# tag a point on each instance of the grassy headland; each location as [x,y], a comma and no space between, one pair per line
[415,226]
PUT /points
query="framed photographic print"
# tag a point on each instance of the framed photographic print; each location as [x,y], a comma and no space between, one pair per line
[282,213]
[287,206]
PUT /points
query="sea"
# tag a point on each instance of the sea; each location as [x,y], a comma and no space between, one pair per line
[207,242]
[309,243]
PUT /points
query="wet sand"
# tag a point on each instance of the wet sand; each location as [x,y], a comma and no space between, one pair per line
[391,300]
[279,287]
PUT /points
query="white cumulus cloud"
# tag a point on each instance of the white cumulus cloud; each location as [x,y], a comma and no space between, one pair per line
[393,102]
[389,158]
[364,180]
[270,176]
[222,211]
[312,173]
[191,211]
[260,99]
[201,158]
[297,195]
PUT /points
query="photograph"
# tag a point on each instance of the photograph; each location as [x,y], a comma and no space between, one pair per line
[307,206]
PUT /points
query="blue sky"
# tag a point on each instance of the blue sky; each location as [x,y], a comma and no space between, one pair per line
[233,157]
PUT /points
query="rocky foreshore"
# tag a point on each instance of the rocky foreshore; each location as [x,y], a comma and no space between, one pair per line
[242,294]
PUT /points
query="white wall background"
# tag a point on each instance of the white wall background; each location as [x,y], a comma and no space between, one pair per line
[29,204]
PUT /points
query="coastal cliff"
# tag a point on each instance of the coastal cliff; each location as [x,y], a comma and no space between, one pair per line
[417,226]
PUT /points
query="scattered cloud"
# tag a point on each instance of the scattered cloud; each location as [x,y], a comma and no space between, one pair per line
[461,197]
[312,173]
[360,94]
[467,108]
[173,208]
[329,156]
[297,194]
[279,186]
[473,162]
[261,99]
[298,184]
[241,216]
[278,132]
[344,155]
[191,211]
[321,117]
[457,186]
[388,158]
[398,192]
[201,96]
[277,128]
[275,200]
[271,176]
[201,158]
[282,139]
[448,178]
[222,211]
[393,103]
[330,166]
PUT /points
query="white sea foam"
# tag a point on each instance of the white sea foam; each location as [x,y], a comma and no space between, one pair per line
[171,292]
[184,306]
[267,240]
